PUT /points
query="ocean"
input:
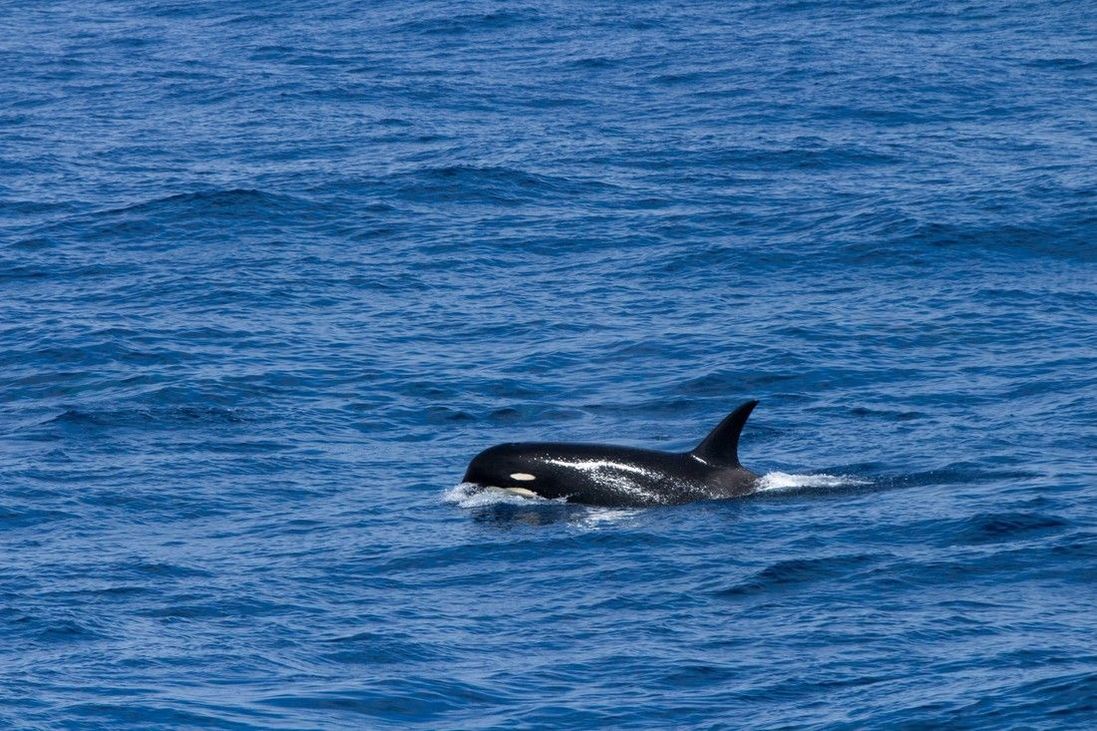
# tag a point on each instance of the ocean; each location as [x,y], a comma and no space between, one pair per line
[271,273]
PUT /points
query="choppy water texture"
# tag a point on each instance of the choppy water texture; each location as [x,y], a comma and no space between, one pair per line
[271,273]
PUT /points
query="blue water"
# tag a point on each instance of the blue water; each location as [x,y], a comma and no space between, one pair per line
[271,273]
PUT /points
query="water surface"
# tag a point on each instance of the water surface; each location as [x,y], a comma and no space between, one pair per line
[271,273]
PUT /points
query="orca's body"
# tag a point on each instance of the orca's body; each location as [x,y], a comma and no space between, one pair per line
[599,474]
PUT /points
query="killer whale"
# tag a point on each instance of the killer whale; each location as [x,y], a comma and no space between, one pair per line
[608,475]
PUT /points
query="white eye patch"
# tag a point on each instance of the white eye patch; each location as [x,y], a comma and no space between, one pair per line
[523,476]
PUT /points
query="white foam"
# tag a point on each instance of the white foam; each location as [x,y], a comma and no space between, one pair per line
[595,518]
[785,481]
[468,495]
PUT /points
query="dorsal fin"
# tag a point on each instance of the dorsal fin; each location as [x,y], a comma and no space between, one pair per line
[721,447]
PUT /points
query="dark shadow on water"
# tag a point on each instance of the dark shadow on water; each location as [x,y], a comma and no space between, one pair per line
[537,512]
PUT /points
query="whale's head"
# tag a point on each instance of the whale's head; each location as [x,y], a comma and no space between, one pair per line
[595,474]
[515,468]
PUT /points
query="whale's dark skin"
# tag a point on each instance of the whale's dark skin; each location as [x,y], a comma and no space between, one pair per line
[602,474]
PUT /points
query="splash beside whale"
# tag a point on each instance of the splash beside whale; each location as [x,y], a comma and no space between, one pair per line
[608,475]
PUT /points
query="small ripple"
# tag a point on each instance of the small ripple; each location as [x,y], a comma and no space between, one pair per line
[66,631]
[1062,64]
[495,184]
[375,648]
[236,202]
[166,416]
[397,699]
[24,518]
[801,571]
[1001,527]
